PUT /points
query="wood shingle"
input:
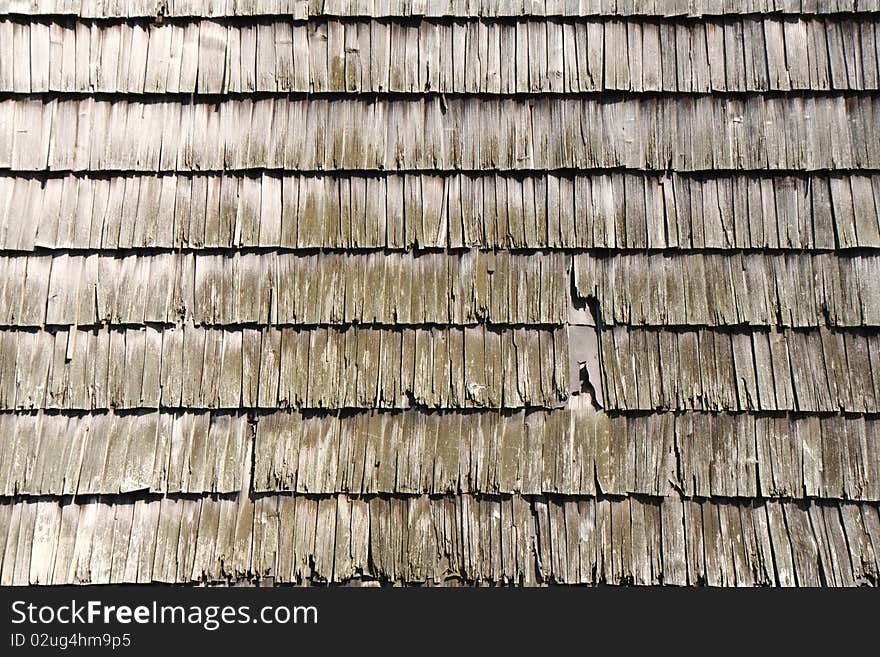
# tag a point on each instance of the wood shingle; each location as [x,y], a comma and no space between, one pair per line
[447,292]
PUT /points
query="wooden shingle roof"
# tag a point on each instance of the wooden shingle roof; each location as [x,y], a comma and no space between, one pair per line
[440,291]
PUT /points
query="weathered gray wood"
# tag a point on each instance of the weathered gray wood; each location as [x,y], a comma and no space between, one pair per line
[253,342]
[292,539]
[202,142]
[705,378]
[797,290]
[86,220]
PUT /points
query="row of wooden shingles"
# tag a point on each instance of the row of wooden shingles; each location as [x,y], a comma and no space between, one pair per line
[194,367]
[285,288]
[811,371]
[303,9]
[571,453]
[419,452]
[708,289]
[415,539]
[685,132]
[537,56]
[427,211]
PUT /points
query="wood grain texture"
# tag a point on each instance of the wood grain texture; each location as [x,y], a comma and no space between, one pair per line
[582,452]
[687,133]
[107,454]
[408,212]
[285,288]
[445,292]
[301,9]
[442,540]
[769,370]
[608,54]
[194,367]
[731,289]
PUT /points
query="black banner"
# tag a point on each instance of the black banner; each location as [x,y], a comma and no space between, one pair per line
[133,620]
